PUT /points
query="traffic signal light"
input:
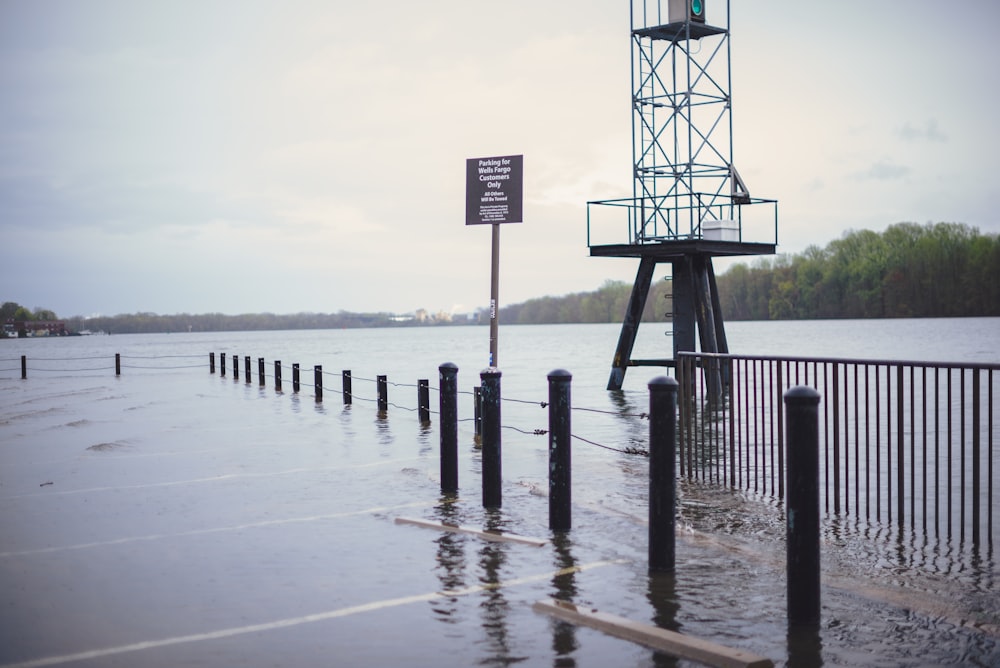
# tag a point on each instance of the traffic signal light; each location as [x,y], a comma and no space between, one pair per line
[686,10]
[697,10]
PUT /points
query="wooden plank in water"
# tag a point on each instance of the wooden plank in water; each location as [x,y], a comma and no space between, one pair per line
[486,535]
[671,642]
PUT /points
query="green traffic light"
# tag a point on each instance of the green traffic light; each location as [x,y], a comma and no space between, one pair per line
[697,7]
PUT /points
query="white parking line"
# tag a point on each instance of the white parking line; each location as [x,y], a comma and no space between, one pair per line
[203,532]
[296,621]
[217,478]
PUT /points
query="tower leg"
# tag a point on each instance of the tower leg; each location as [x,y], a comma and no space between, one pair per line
[703,300]
[630,325]
[683,292]
[706,298]
[720,324]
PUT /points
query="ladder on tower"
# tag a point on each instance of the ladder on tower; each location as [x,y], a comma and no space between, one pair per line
[668,296]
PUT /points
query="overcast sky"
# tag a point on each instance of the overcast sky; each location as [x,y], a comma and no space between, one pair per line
[242,156]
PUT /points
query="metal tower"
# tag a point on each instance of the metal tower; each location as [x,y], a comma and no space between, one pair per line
[688,202]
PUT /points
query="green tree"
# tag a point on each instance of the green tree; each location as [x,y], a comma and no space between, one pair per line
[943,269]
[9,310]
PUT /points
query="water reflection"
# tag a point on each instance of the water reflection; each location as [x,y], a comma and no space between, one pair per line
[631,416]
[494,606]
[914,560]
[564,588]
[661,592]
[450,568]
[425,440]
[383,431]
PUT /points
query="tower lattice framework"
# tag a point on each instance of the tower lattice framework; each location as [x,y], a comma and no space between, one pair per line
[689,203]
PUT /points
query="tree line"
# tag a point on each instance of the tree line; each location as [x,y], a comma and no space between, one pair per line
[909,270]
[17,313]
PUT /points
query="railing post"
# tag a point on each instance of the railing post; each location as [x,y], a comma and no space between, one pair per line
[260,371]
[118,364]
[295,377]
[662,472]
[448,375]
[318,382]
[383,395]
[802,510]
[346,382]
[684,416]
[236,366]
[560,435]
[24,367]
[900,449]
[424,401]
[211,362]
[222,364]
[976,464]
[492,477]
[277,375]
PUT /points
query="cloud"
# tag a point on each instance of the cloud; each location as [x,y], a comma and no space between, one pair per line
[928,132]
[243,156]
[884,170]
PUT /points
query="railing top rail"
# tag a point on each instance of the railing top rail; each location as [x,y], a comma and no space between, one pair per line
[985,366]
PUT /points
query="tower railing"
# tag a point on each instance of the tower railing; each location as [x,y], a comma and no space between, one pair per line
[645,220]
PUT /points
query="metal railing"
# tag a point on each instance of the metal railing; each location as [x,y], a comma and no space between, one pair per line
[906,444]
[679,217]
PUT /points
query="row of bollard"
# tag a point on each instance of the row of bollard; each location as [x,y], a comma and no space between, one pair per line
[802,431]
[24,366]
[802,509]
[381,382]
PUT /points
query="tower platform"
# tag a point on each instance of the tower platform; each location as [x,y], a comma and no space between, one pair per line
[668,251]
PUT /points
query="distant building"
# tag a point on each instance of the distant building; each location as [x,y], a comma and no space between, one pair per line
[24,328]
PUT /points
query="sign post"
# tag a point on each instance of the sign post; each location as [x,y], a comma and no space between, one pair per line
[494,193]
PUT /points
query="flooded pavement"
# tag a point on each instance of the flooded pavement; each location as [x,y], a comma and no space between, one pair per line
[185,519]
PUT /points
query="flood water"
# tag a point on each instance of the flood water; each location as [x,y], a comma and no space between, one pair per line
[169,516]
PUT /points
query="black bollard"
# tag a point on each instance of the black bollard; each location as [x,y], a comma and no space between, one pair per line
[236,366]
[295,377]
[560,435]
[246,367]
[211,362]
[260,371]
[24,367]
[346,375]
[118,364]
[383,395]
[662,473]
[491,438]
[318,382]
[277,375]
[424,401]
[449,427]
[222,364]
[802,510]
